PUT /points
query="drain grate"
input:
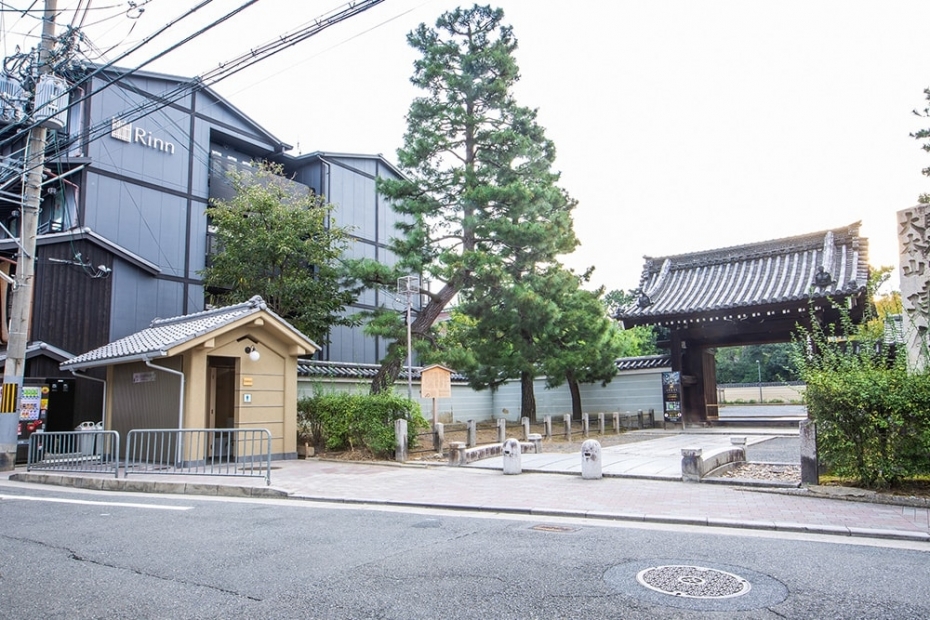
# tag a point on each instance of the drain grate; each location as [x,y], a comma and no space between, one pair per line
[693,582]
[553,528]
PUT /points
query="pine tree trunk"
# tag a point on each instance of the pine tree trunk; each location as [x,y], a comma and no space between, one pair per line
[575,391]
[527,397]
[393,362]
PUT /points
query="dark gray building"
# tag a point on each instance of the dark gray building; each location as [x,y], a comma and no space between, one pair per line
[123,224]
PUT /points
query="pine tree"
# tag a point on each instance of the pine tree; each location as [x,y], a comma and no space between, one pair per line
[479,192]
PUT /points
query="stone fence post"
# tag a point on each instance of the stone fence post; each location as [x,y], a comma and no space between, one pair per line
[810,467]
[438,437]
[400,440]
[471,434]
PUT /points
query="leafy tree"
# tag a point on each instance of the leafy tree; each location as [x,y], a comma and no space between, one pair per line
[479,187]
[738,364]
[278,241]
[639,340]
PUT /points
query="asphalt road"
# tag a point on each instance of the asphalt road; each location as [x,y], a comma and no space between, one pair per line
[78,554]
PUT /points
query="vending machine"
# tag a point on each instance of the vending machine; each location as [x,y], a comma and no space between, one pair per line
[46,404]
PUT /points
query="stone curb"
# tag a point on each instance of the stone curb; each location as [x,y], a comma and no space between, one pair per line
[147,486]
[802,528]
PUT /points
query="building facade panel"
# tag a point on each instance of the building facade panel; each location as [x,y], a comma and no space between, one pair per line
[150,223]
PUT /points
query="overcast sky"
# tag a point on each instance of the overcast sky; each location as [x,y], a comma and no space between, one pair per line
[680,125]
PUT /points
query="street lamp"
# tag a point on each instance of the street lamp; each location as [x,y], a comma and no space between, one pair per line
[759,368]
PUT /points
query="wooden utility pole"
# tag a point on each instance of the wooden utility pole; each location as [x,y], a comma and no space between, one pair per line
[21,298]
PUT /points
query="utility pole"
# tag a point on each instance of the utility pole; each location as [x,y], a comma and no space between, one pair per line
[21,298]
[409,286]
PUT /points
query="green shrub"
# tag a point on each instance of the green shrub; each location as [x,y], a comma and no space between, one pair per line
[344,421]
[872,414]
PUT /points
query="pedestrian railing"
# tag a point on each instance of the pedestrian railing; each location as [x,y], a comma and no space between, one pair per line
[85,451]
[199,452]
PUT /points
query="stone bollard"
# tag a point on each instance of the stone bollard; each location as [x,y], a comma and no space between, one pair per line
[691,464]
[616,417]
[567,422]
[471,433]
[501,430]
[810,472]
[585,424]
[639,418]
[511,453]
[400,440]
[457,453]
[438,437]
[536,440]
[525,421]
[600,423]
[591,460]
[547,426]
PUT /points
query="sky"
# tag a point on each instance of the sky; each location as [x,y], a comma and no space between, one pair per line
[680,125]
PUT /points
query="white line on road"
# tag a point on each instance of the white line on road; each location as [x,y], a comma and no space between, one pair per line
[90,503]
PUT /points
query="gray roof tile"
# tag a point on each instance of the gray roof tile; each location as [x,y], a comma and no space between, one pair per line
[164,334]
[726,281]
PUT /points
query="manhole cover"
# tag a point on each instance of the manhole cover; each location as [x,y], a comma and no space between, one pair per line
[693,582]
[695,585]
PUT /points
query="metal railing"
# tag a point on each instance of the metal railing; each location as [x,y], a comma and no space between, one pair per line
[199,452]
[86,451]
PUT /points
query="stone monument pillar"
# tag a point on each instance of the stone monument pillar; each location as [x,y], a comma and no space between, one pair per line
[914,246]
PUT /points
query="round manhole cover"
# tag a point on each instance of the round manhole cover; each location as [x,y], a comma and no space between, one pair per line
[693,582]
[698,586]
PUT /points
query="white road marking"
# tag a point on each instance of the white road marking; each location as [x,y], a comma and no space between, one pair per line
[91,503]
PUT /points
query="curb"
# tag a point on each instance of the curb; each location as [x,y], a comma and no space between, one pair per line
[148,486]
[800,528]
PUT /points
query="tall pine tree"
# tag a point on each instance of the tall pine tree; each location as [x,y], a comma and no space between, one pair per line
[479,190]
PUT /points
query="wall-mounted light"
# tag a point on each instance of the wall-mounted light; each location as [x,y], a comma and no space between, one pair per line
[254,355]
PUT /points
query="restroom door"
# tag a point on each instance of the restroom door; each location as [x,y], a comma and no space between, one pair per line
[221,398]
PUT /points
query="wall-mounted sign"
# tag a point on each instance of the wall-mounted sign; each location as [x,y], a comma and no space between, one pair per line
[143,377]
[125,132]
[671,396]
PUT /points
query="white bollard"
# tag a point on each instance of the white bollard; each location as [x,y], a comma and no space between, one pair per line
[591,460]
[512,458]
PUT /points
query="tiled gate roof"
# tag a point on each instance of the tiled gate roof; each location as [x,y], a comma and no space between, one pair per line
[729,282]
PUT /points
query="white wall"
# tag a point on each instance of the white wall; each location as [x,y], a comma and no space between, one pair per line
[628,392]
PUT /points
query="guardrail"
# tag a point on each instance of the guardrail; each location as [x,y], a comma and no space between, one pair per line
[199,452]
[85,451]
